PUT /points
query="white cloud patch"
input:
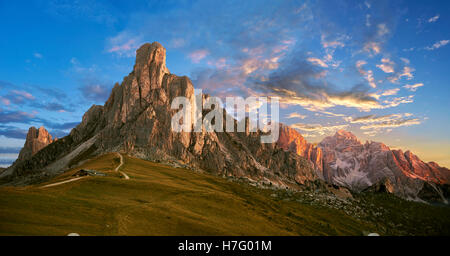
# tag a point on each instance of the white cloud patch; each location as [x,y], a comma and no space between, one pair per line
[387,65]
[198,55]
[437,45]
[373,124]
[318,129]
[124,44]
[433,19]
[318,62]
[295,115]
[373,48]
[368,75]
[390,92]
[413,87]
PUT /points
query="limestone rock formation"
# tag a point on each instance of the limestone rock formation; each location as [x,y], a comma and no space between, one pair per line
[290,139]
[36,140]
[348,162]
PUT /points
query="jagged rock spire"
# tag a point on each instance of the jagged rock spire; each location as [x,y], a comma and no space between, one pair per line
[36,140]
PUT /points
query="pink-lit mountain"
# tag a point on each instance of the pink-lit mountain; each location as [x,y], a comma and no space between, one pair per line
[345,161]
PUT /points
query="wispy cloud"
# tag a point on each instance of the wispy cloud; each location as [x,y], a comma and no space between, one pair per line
[368,75]
[95,91]
[437,45]
[295,115]
[387,65]
[318,129]
[413,87]
[392,124]
[123,44]
[198,55]
[318,62]
[433,19]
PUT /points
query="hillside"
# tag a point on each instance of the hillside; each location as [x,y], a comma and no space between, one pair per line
[163,200]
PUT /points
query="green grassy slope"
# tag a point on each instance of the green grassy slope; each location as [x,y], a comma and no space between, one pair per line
[161,200]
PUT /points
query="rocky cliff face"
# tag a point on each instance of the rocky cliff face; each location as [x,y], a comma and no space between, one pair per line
[136,120]
[36,140]
[290,139]
[345,161]
[350,163]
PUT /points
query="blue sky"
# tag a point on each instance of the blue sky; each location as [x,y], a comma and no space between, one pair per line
[376,68]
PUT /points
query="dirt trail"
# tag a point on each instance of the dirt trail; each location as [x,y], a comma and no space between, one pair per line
[120,165]
[78,178]
[61,182]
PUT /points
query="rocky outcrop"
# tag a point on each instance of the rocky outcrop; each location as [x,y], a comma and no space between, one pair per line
[290,139]
[373,166]
[36,140]
[136,120]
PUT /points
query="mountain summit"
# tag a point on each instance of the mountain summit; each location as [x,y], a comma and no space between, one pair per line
[36,140]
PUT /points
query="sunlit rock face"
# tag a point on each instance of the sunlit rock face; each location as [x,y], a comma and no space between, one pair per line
[347,162]
[290,139]
[36,140]
[136,120]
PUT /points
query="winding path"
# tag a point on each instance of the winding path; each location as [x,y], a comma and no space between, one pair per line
[120,165]
[78,178]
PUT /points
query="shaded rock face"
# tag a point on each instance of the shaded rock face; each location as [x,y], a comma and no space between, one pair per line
[347,162]
[136,120]
[36,140]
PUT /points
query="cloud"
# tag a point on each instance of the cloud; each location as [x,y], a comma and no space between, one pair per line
[124,44]
[16,117]
[433,19]
[13,132]
[198,55]
[397,101]
[373,124]
[126,49]
[405,72]
[387,66]
[390,92]
[95,91]
[318,128]
[5,101]
[38,55]
[368,75]
[52,106]
[373,48]
[370,119]
[437,45]
[382,30]
[392,124]
[413,87]
[318,62]
[295,115]
[19,96]
[10,150]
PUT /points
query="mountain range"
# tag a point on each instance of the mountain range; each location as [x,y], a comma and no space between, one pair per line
[136,121]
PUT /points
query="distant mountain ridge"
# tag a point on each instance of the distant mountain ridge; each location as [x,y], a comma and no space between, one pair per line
[345,161]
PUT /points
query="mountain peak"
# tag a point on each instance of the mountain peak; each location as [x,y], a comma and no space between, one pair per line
[35,141]
[344,133]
